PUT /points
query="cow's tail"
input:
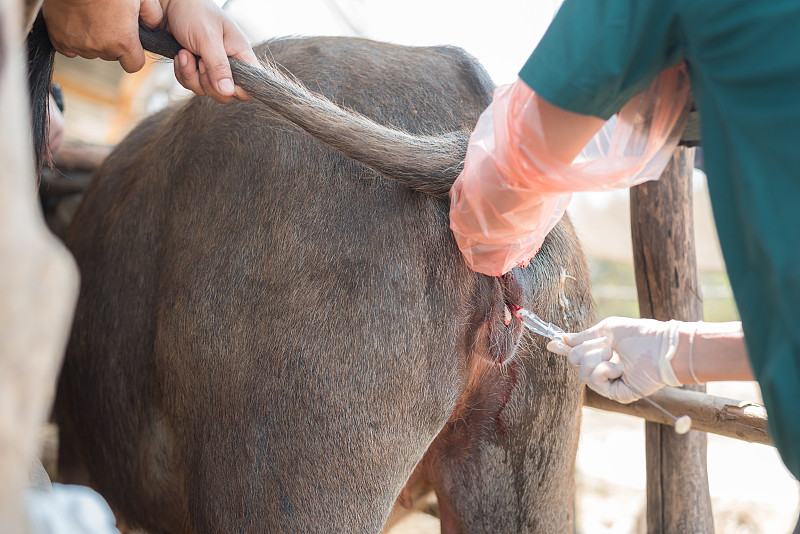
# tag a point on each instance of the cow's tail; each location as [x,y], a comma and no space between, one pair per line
[41,55]
[428,164]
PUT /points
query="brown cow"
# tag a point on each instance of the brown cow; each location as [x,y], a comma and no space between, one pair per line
[271,337]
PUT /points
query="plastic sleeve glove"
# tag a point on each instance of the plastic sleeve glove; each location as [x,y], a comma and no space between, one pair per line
[640,350]
[512,192]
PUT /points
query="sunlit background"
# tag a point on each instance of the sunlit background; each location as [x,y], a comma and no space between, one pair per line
[751,490]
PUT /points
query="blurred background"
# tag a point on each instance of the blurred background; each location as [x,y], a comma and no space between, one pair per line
[751,490]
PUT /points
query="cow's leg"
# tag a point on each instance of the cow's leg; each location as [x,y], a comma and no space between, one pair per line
[301,415]
[504,463]
[335,466]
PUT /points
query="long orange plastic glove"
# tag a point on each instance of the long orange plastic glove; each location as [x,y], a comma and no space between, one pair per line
[512,192]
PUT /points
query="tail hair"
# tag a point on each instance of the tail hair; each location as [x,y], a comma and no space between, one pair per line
[427,164]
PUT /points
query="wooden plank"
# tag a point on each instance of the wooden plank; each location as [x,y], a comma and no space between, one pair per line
[78,156]
[742,420]
[678,499]
[74,164]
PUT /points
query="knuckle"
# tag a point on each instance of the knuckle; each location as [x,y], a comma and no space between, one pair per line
[583,374]
[597,377]
[220,68]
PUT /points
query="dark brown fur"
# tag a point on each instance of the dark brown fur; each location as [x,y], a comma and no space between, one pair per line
[271,337]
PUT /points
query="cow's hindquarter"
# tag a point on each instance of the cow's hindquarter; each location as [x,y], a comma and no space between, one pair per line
[316,329]
[270,336]
[279,339]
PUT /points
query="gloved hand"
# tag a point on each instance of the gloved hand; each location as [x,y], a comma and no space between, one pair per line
[640,350]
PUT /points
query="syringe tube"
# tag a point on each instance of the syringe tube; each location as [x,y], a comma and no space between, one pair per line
[539,325]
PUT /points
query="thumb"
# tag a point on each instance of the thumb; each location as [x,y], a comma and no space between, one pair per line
[557,347]
[150,13]
[575,339]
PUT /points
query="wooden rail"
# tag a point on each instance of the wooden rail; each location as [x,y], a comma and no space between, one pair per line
[742,420]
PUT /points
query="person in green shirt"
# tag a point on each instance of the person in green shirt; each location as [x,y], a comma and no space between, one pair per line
[743,61]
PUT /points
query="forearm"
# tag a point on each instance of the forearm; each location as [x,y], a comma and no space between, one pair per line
[649,354]
[499,213]
[519,172]
[563,133]
[716,352]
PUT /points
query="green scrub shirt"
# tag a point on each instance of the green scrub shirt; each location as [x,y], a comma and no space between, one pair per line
[744,63]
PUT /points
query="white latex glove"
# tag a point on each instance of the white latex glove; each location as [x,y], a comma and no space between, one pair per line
[640,350]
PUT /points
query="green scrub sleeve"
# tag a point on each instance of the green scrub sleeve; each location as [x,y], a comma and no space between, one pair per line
[597,54]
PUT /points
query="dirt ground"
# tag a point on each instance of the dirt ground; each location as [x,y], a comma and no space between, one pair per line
[751,490]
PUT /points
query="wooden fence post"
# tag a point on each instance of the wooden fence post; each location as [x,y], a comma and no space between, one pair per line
[678,500]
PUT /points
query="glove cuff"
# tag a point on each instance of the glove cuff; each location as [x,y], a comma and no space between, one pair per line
[669,347]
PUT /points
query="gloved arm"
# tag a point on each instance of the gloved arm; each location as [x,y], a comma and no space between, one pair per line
[520,170]
[498,219]
[650,354]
